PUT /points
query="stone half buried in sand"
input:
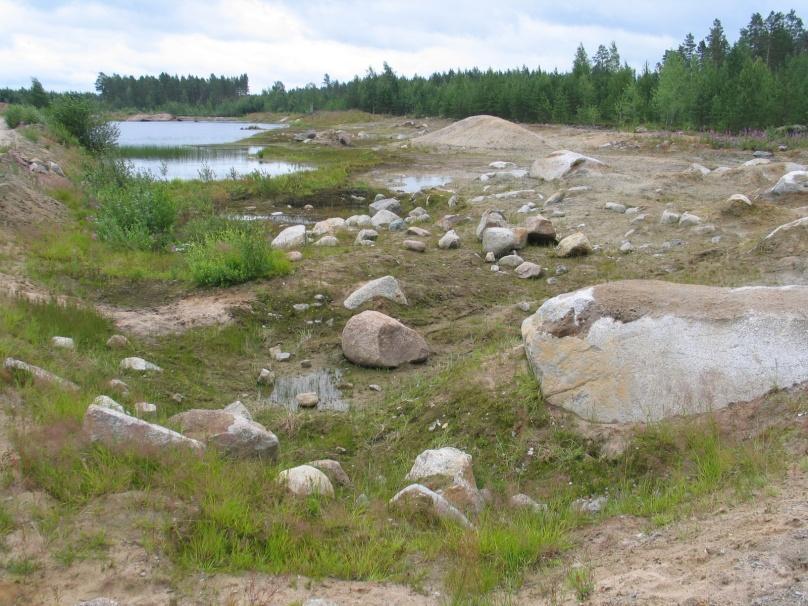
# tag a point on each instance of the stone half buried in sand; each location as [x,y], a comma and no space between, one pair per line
[562,163]
[641,351]
[378,341]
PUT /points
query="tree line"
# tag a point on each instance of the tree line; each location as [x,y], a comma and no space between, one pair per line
[760,80]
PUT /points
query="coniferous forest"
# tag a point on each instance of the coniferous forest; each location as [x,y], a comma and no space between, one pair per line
[759,81]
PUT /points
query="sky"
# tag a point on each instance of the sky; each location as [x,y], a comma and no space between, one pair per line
[67,43]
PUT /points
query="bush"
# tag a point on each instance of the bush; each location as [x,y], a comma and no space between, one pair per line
[22,114]
[77,116]
[138,214]
[234,255]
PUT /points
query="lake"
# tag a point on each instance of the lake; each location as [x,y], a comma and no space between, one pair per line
[189,151]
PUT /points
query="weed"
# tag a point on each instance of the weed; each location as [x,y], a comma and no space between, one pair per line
[22,566]
[93,545]
[581,582]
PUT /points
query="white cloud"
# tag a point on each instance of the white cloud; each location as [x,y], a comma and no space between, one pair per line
[67,43]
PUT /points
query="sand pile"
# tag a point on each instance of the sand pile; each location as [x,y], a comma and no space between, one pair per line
[483,132]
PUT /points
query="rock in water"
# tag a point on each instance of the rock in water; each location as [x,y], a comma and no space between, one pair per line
[229,432]
[291,237]
[118,430]
[561,163]
[641,351]
[376,340]
[386,287]
[305,480]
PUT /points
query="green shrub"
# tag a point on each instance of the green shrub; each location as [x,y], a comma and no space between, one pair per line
[234,255]
[22,114]
[78,116]
[137,214]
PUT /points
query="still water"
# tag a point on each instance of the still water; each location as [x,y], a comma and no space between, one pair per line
[198,159]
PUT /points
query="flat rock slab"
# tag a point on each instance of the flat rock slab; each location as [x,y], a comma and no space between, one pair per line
[118,430]
[386,287]
[39,375]
[645,350]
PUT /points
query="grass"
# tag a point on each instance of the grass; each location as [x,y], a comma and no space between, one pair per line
[233,256]
[89,545]
[22,114]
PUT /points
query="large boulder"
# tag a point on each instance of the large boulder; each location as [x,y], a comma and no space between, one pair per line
[386,287]
[291,237]
[641,351]
[417,498]
[118,430]
[502,240]
[561,163]
[376,340]
[305,480]
[795,182]
[228,431]
[448,472]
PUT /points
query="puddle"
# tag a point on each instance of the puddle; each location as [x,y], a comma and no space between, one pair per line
[321,382]
[211,163]
[280,218]
[413,184]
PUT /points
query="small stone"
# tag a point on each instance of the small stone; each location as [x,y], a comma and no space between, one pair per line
[524,306]
[414,245]
[294,256]
[107,402]
[374,387]
[118,386]
[418,231]
[590,505]
[528,270]
[449,240]
[139,365]
[556,198]
[329,241]
[305,363]
[282,356]
[511,261]
[626,247]
[495,267]
[490,257]
[238,408]
[668,217]
[145,409]
[615,207]
[522,501]
[689,219]
[117,342]
[301,307]
[306,480]
[574,245]
[63,342]
[177,397]
[397,225]
[307,399]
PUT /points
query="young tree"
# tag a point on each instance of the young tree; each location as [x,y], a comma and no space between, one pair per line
[37,95]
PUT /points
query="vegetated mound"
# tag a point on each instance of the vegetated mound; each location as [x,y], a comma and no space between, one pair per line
[486,132]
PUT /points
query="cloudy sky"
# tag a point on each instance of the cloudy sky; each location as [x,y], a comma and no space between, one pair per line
[66,43]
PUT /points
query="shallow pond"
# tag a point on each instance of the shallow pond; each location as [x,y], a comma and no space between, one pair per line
[415,183]
[184,150]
